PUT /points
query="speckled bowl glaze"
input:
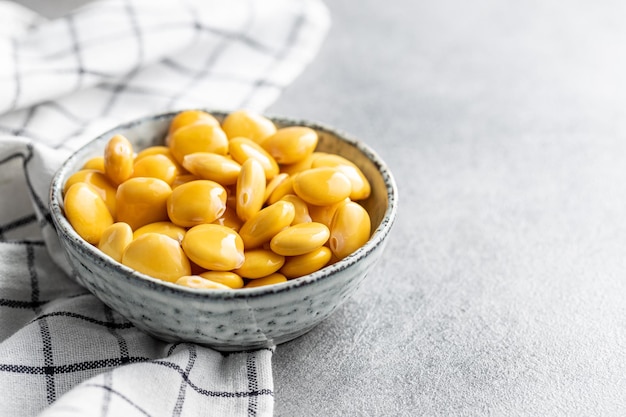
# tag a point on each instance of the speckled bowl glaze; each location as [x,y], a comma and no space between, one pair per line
[227,320]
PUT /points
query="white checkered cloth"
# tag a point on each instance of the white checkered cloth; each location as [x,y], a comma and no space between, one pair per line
[62,82]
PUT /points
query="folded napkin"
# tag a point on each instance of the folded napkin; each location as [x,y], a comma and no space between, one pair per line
[62,82]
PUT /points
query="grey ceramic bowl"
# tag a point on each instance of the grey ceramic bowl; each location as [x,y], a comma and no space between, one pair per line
[227,320]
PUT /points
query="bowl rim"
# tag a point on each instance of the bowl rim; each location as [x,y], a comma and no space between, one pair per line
[139,279]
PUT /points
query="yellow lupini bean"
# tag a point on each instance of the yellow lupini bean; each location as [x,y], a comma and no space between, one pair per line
[200,283]
[302,165]
[242,149]
[247,124]
[140,201]
[230,279]
[115,239]
[282,189]
[153,150]
[297,266]
[196,202]
[157,255]
[199,137]
[183,179]
[302,209]
[189,117]
[360,185]
[97,163]
[324,214]
[168,229]
[156,166]
[86,212]
[99,182]
[322,186]
[264,225]
[118,159]
[291,144]
[259,263]
[212,166]
[250,189]
[349,230]
[300,239]
[275,278]
[273,184]
[214,247]
[230,219]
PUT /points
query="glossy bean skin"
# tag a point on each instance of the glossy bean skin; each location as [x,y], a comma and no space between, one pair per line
[349,230]
[97,163]
[86,212]
[212,166]
[214,247]
[140,201]
[302,209]
[290,145]
[250,191]
[360,186]
[247,124]
[166,228]
[201,283]
[300,239]
[115,239]
[189,117]
[242,149]
[99,182]
[156,166]
[118,159]
[259,263]
[273,184]
[230,279]
[297,266]
[230,219]
[158,256]
[325,214]
[196,202]
[275,278]
[303,165]
[322,186]
[199,137]
[264,225]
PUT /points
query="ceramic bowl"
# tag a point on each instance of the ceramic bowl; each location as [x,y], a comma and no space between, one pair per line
[227,320]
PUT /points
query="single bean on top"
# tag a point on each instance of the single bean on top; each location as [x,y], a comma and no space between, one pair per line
[227,205]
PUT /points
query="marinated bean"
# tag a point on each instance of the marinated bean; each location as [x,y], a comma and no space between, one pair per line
[324,214]
[99,182]
[284,188]
[189,117]
[214,247]
[230,279]
[297,266]
[87,212]
[300,239]
[168,229]
[243,123]
[212,166]
[259,263]
[275,278]
[157,255]
[140,201]
[273,184]
[290,145]
[97,163]
[302,209]
[196,202]
[322,186]
[350,229]
[156,166]
[264,225]
[250,189]
[242,149]
[199,137]
[115,239]
[360,185]
[118,159]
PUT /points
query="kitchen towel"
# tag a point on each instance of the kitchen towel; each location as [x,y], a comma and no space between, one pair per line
[64,81]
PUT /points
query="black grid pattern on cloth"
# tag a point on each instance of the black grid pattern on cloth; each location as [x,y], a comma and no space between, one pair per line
[62,83]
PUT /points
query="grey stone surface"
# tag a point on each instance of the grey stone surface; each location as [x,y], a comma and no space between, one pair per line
[502,291]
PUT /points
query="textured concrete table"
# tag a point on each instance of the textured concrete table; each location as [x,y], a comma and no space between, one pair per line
[503,287]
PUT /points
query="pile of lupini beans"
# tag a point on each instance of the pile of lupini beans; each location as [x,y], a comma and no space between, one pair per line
[221,206]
